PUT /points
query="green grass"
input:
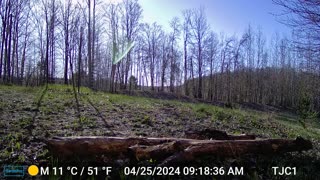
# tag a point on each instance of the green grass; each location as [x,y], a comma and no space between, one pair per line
[126,100]
[59,98]
[128,116]
[259,122]
[296,129]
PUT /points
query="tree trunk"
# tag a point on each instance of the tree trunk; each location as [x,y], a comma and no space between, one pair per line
[66,43]
[186,68]
[89,46]
[9,50]
[2,44]
[79,59]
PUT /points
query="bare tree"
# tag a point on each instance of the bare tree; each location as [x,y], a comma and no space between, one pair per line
[66,13]
[112,18]
[304,18]
[89,46]
[26,37]
[6,16]
[165,59]
[175,25]
[50,14]
[130,22]
[212,55]
[200,29]
[13,16]
[186,41]
[152,36]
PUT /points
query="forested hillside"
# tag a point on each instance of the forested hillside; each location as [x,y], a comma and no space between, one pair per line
[286,88]
[106,46]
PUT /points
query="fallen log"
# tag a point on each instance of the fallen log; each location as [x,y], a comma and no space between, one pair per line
[170,150]
[238,149]
[113,146]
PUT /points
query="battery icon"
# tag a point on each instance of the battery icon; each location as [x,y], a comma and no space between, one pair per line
[13,171]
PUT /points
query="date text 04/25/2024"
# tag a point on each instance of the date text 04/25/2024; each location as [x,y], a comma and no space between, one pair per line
[187,171]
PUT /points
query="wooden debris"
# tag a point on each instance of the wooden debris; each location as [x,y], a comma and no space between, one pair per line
[169,150]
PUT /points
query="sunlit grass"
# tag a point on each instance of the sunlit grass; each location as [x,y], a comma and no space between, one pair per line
[267,123]
[126,100]
[295,129]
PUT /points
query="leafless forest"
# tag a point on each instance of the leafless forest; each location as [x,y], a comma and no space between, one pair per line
[76,42]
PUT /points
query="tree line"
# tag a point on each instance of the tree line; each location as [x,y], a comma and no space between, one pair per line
[75,42]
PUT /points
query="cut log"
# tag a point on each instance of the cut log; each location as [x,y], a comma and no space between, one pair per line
[215,134]
[170,150]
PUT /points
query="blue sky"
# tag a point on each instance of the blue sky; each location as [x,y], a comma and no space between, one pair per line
[228,16]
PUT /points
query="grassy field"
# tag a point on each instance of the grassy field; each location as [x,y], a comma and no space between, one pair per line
[28,115]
